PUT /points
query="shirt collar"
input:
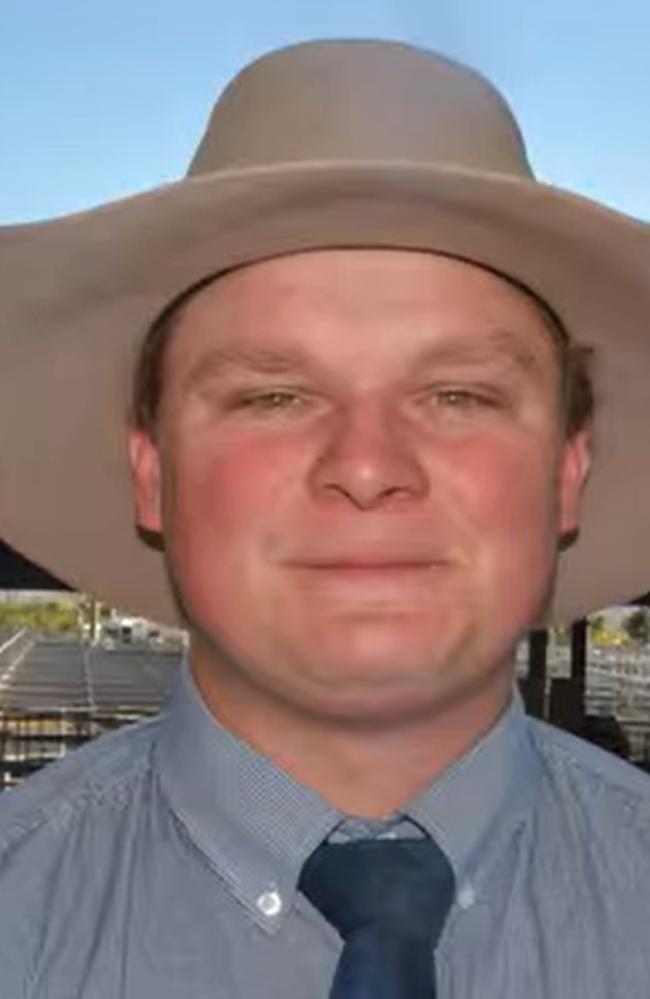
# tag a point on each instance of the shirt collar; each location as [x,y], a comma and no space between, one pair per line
[256,825]
[496,778]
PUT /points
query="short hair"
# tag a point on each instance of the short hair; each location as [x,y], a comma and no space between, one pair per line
[575,360]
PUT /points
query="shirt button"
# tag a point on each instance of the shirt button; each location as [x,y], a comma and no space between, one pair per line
[269,903]
[466,897]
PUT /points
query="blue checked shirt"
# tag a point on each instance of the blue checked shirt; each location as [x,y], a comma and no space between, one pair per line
[161,863]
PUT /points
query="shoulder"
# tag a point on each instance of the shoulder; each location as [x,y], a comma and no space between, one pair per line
[63,834]
[564,752]
[99,775]
[595,787]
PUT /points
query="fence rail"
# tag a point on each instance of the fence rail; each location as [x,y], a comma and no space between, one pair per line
[56,695]
[29,740]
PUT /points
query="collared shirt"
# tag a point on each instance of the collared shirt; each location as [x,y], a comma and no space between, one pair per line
[163,862]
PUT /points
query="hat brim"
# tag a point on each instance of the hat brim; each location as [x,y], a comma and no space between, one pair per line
[77,295]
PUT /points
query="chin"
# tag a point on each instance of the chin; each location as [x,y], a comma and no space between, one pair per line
[372,668]
[388,659]
[381,644]
[382,699]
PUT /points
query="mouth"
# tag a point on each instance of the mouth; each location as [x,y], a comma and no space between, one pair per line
[366,556]
[367,579]
[366,567]
[368,561]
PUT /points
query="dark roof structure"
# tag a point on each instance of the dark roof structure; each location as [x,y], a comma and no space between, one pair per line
[18,573]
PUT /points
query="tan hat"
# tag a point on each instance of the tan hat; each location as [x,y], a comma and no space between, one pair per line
[327,144]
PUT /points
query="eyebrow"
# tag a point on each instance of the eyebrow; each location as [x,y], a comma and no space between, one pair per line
[498,346]
[262,360]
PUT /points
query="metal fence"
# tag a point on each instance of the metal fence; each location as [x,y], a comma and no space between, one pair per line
[54,696]
[29,739]
[57,694]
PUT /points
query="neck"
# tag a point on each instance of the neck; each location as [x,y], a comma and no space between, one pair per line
[362,770]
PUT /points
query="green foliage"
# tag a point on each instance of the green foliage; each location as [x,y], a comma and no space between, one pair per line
[598,630]
[637,626]
[48,617]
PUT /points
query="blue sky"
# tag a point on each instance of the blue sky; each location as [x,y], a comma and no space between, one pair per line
[102,98]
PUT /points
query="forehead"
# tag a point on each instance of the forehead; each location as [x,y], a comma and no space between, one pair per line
[342,302]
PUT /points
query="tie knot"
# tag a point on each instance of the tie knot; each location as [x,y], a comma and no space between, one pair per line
[404,887]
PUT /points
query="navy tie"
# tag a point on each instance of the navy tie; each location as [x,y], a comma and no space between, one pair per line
[388,899]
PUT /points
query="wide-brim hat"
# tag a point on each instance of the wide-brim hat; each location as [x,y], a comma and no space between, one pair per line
[326,144]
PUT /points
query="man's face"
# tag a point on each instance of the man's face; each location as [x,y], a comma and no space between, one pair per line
[361,478]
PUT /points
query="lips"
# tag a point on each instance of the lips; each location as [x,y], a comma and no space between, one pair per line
[367,560]
[353,565]
[376,563]
[368,582]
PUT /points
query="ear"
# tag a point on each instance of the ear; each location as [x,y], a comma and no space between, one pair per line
[574,471]
[144,460]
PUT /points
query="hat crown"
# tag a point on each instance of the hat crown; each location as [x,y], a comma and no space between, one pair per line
[360,100]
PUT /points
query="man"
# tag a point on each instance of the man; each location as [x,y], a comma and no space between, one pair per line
[361,430]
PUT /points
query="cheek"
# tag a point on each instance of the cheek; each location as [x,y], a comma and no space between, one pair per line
[509,497]
[223,500]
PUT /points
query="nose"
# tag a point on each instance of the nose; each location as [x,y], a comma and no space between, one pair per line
[368,460]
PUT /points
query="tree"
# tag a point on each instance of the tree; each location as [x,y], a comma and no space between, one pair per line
[46,617]
[637,626]
[597,628]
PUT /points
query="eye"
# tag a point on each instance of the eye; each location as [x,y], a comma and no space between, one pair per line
[460,398]
[273,400]
[462,403]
